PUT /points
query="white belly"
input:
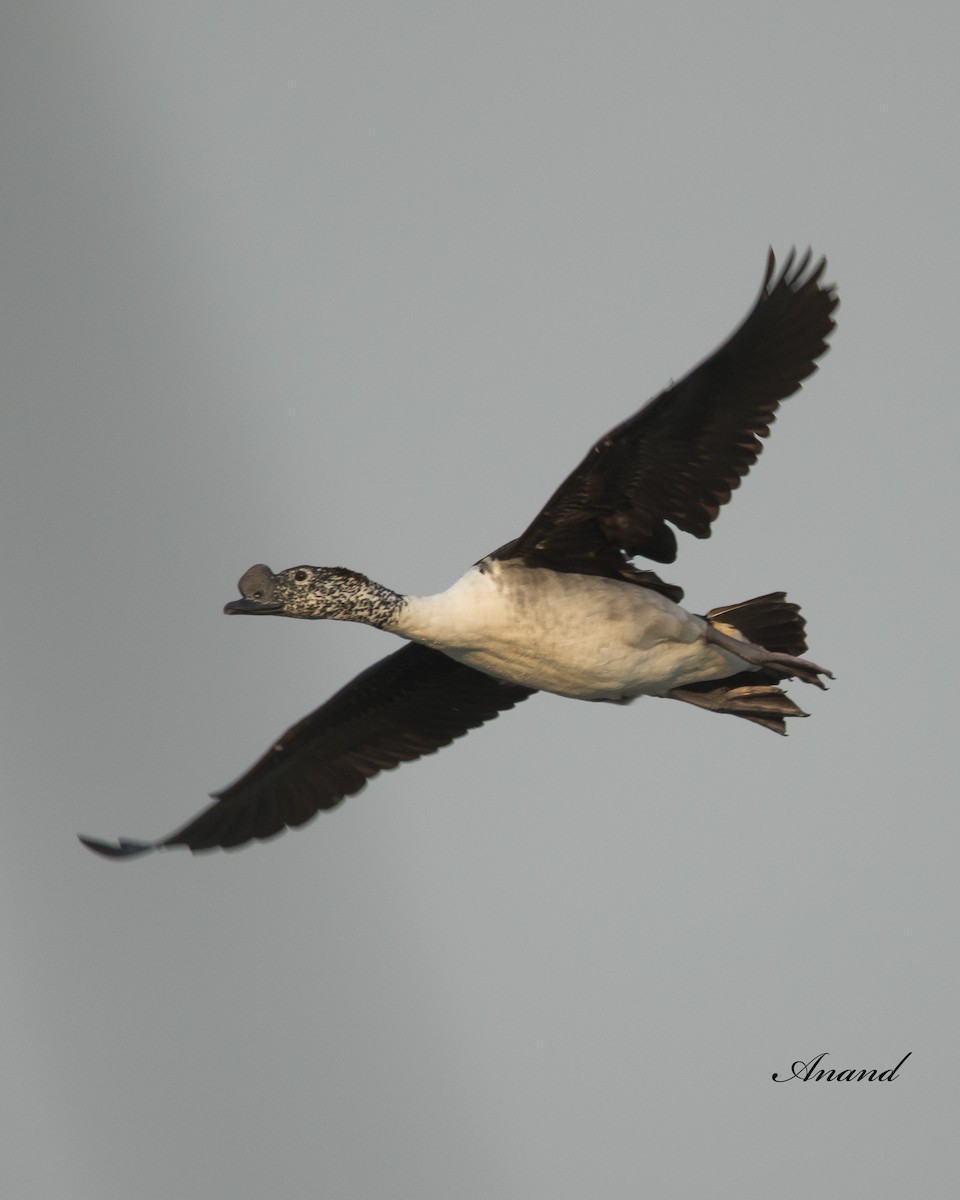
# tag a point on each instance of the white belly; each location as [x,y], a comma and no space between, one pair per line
[575,635]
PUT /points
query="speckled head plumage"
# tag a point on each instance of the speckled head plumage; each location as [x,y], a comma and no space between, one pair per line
[315,594]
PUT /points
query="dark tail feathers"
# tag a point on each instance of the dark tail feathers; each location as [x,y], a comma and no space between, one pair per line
[773,622]
[770,621]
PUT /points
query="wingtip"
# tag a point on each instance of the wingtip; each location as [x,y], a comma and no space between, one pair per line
[796,271]
[122,848]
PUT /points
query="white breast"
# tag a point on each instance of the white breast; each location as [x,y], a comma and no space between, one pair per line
[577,635]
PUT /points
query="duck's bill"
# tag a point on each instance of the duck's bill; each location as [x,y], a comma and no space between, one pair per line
[251,607]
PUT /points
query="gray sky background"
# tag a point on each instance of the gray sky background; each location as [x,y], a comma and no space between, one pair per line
[358,283]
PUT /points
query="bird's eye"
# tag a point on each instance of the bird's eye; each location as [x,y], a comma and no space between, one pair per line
[258,595]
[300,576]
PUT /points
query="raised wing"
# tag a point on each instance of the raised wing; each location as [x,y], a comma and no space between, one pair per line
[679,458]
[409,704]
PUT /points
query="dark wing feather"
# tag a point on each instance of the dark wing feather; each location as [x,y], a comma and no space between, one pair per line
[679,458]
[409,704]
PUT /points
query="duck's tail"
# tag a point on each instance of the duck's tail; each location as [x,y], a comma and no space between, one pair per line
[769,633]
[771,621]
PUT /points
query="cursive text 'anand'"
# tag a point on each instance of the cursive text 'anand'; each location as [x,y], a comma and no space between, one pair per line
[806,1071]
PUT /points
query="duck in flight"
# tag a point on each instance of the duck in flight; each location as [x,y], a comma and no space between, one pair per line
[561,608]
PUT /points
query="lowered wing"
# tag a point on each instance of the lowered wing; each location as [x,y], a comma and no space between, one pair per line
[406,705]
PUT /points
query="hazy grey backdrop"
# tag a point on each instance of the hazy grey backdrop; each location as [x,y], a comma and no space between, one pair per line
[358,283]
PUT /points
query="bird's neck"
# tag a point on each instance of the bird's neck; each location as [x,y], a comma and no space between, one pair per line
[369,603]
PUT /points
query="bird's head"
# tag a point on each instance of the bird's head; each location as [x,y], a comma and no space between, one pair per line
[313,594]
